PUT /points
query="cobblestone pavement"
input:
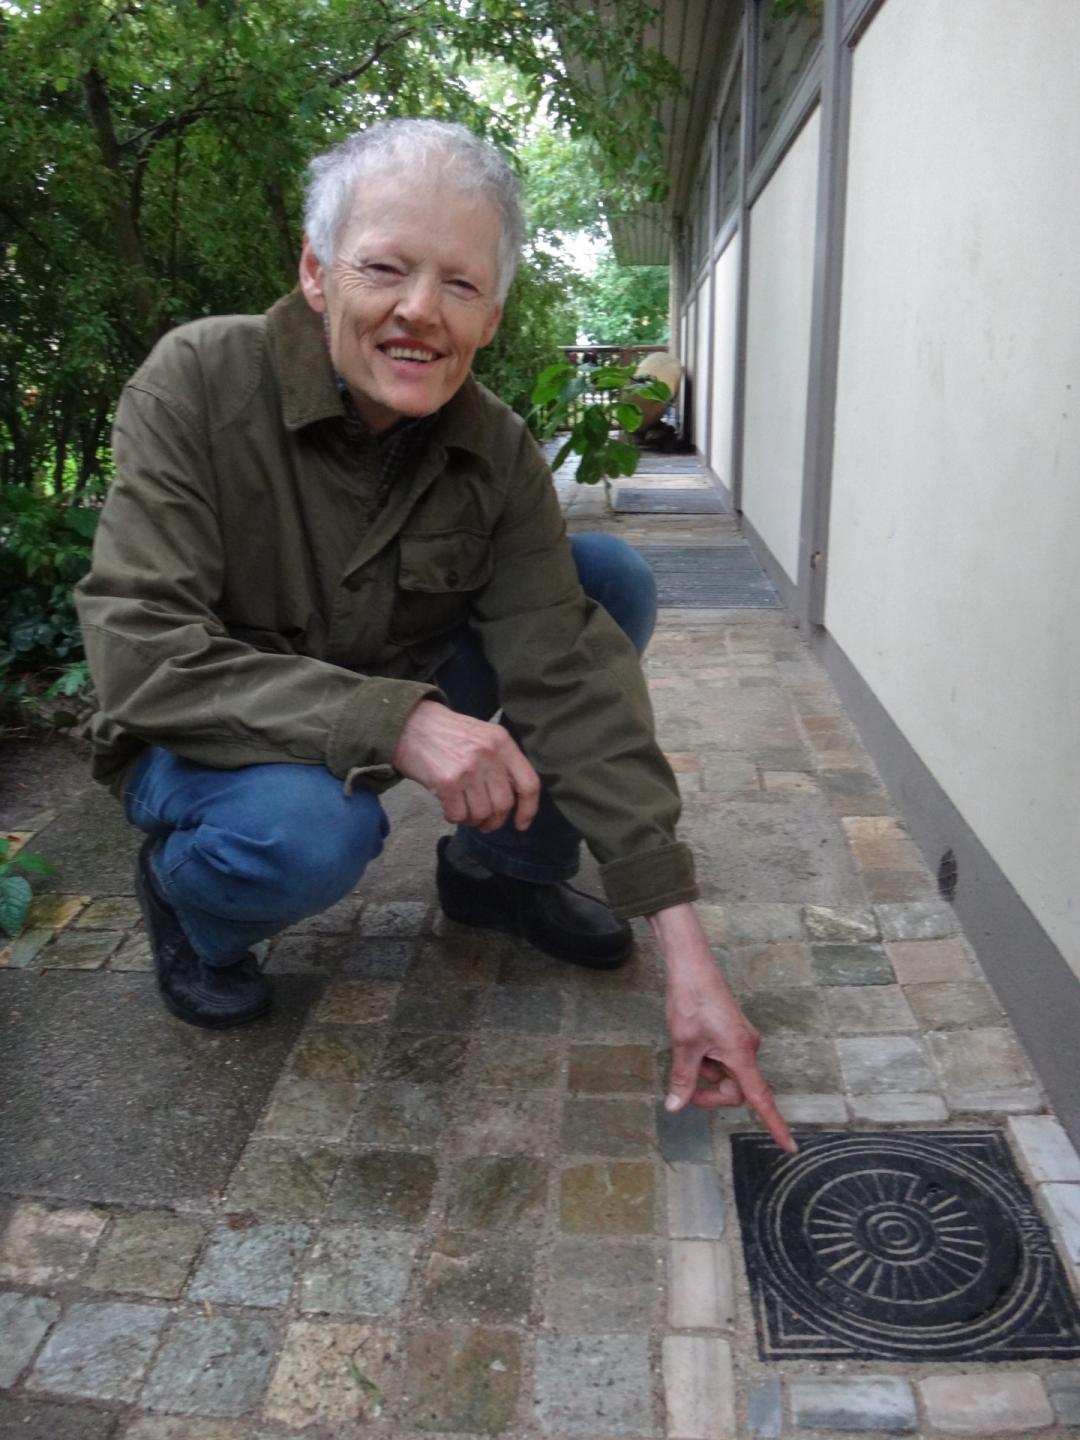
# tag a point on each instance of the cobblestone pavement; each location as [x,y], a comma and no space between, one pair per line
[436,1193]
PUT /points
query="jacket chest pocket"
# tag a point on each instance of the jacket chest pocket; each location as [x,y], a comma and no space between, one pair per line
[437,575]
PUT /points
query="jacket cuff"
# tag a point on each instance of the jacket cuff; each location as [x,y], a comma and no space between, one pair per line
[642,884]
[368,728]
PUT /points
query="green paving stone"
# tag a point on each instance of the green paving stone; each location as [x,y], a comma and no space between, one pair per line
[456,1010]
[462,1379]
[800,1011]
[611,1199]
[592,1386]
[478,1278]
[147,1254]
[802,1065]
[684,1135]
[760,924]
[134,955]
[385,1188]
[926,920]
[25,948]
[100,1351]
[212,1366]
[26,1418]
[624,1014]
[336,1052]
[607,1127]
[111,912]
[852,965]
[423,1058]
[460,956]
[845,925]
[356,1271]
[512,1062]
[24,1320]
[498,1192]
[80,950]
[304,1109]
[535,1012]
[42,1244]
[250,1265]
[409,1116]
[613,1287]
[611,1069]
[283,1181]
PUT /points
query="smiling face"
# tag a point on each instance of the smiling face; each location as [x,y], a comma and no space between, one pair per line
[411,296]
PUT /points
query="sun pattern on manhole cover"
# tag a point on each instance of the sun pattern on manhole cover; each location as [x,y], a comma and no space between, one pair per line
[923,1245]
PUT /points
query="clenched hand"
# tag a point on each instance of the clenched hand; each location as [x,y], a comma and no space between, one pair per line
[474,768]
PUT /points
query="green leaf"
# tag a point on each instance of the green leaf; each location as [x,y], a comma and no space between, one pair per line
[596,425]
[33,863]
[653,390]
[15,896]
[628,416]
[82,520]
[611,377]
[563,452]
[621,458]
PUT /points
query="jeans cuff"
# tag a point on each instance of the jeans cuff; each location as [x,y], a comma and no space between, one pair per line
[517,863]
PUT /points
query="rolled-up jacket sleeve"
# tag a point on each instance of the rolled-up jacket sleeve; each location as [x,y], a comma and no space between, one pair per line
[571,684]
[164,667]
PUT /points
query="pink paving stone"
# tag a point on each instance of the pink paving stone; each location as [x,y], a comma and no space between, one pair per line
[919,962]
[984,1404]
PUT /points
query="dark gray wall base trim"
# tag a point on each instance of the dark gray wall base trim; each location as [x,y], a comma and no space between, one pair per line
[772,567]
[1032,978]
[721,488]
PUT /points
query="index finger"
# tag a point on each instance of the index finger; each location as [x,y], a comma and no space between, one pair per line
[760,1099]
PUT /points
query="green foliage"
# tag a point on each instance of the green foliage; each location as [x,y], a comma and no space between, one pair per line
[538,318]
[15,892]
[625,304]
[590,401]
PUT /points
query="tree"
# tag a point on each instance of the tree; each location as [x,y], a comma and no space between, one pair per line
[625,304]
[155,151]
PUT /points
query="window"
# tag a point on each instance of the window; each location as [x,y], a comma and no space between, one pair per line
[727,143]
[788,45]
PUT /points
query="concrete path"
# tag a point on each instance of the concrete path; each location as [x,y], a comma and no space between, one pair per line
[435,1193]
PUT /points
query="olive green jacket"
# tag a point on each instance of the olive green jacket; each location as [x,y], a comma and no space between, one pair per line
[249,602]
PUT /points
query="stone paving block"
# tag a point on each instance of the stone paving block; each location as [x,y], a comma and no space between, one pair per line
[306,1109]
[336,920]
[455,1010]
[880,842]
[53,912]
[336,1052]
[799,1012]
[355,1271]
[926,962]
[309,954]
[869,1009]
[422,1058]
[357,1002]
[700,1288]
[174,1427]
[976,1061]
[611,1287]
[699,1388]
[917,920]
[282,1181]
[331,1375]
[411,1116]
[478,1277]
[852,965]
[891,887]
[520,1008]
[1047,1150]
[953,1006]
[1063,1202]
[998,1404]
[784,966]
[24,1417]
[607,1127]
[513,1124]
[714,921]
[594,1385]
[684,1135]
[612,1199]
[807,1109]
[839,925]
[111,912]
[765,1410]
[612,1069]
[1063,1388]
[253,1265]
[462,1379]
[386,1188]
[610,1014]
[852,789]
[147,1254]
[21,952]
[379,958]
[761,924]
[460,956]
[211,1366]
[41,1245]
[99,1351]
[792,1063]
[696,1206]
[134,956]
[853,1403]
[24,1320]
[873,1064]
[395,918]
[900,1108]
[80,950]
[498,1192]
[512,1062]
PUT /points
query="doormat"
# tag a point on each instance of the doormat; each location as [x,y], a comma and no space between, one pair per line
[657,500]
[916,1246]
[704,577]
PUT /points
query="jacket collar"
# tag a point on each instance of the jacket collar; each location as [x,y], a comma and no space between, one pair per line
[305,380]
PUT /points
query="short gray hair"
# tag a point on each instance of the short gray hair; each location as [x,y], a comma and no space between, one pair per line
[405,146]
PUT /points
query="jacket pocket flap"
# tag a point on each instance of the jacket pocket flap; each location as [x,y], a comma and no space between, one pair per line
[446,561]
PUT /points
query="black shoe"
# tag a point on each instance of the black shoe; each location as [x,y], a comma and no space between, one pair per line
[213,996]
[557,919]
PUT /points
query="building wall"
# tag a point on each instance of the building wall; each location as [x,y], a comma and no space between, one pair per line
[953,577]
[702,369]
[781,265]
[722,396]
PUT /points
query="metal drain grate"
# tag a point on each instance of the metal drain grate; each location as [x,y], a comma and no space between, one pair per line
[667,500]
[915,1246]
[709,576]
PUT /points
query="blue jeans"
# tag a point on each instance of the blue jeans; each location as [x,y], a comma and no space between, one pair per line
[244,853]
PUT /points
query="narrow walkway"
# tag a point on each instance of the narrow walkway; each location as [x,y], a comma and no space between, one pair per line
[436,1192]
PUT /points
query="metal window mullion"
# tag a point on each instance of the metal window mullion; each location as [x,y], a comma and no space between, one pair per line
[751,52]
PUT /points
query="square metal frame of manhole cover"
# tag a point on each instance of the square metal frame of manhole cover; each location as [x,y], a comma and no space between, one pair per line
[907,1246]
[705,577]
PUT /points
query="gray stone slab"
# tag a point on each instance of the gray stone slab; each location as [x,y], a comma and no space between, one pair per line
[211,1367]
[1063,1387]
[24,1319]
[99,1350]
[252,1266]
[109,1099]
[765,1410]
[22,1418]
[684,1135]
[853,1403]
[594,1386]
[91,846]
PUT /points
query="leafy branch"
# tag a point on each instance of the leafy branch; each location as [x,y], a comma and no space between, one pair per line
[557,405]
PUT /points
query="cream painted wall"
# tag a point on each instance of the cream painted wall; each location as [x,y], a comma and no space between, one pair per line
[702,368]
[726,291]
[954,552]
[778,347]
